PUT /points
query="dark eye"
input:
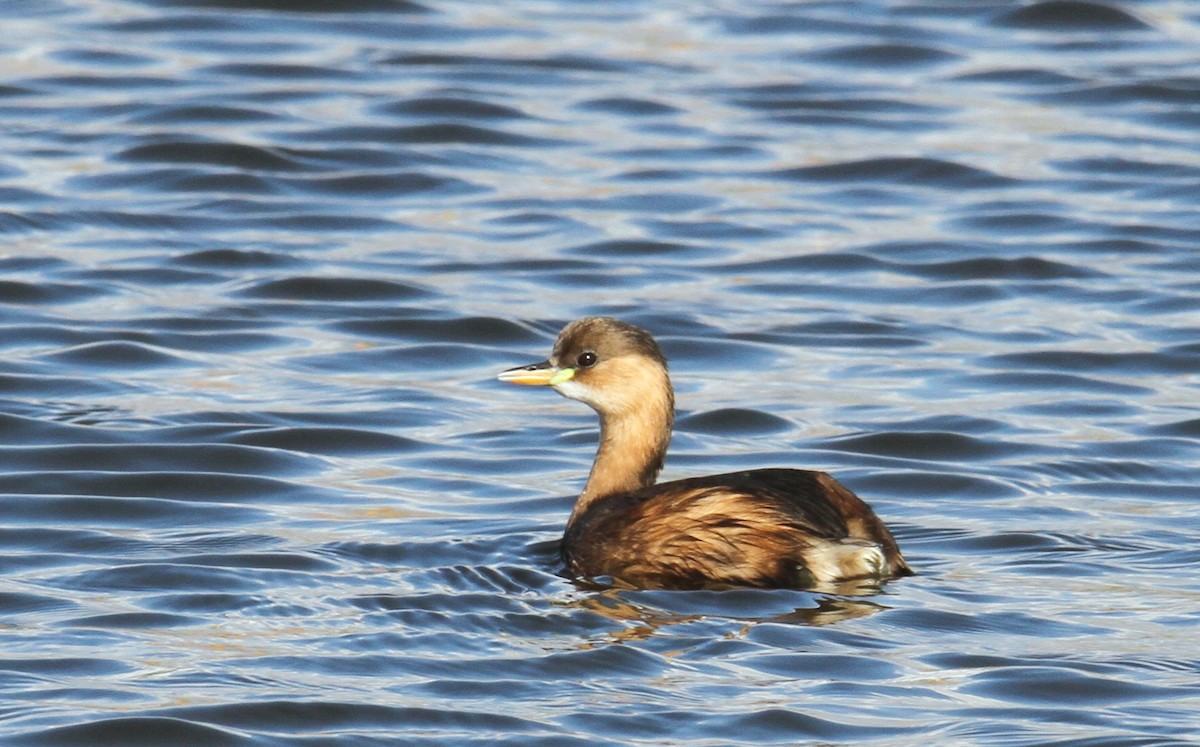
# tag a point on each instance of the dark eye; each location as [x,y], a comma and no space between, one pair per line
[586,360]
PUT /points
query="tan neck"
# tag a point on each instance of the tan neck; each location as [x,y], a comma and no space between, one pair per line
[632,448]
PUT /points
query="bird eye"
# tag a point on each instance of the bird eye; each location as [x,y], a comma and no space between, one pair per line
[586,360]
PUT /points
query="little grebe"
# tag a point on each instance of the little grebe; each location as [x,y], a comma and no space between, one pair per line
[763,527]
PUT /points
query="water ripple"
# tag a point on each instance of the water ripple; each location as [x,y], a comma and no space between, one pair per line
[1070,15]
[263,260]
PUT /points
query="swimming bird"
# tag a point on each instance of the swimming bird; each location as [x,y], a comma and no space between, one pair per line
[772,528]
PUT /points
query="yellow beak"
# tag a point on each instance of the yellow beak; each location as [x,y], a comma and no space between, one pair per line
[537,374]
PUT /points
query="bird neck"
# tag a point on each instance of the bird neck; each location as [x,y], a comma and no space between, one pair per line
[633,445]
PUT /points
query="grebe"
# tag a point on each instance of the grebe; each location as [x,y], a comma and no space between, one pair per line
[763,527]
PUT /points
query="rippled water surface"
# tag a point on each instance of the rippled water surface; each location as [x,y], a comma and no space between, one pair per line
[261,260]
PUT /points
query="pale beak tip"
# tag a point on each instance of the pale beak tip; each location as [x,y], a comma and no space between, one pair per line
[538,374]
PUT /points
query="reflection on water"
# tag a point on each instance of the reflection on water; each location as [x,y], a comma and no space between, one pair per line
[261,259]
[651,613]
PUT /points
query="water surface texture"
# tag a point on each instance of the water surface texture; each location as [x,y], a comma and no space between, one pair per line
[262,258]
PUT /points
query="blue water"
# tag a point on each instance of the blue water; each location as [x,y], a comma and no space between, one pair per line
[261,260]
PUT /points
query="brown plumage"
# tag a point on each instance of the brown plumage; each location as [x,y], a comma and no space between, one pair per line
[764,527]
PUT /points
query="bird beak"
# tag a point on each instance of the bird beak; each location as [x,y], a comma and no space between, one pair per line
[537,374]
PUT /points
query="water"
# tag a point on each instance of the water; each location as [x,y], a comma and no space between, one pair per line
[261,261]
